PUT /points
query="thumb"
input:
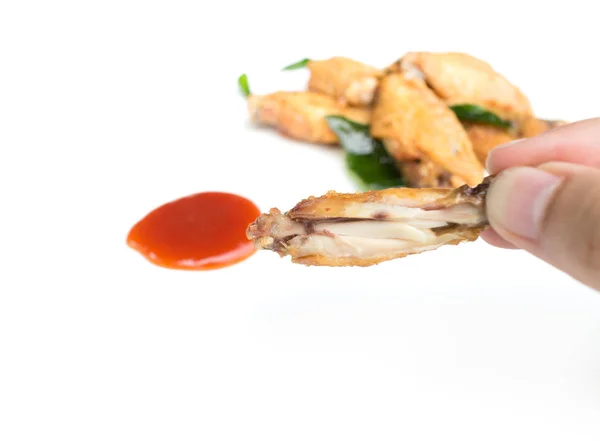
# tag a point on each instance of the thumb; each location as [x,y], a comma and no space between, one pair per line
[552,211]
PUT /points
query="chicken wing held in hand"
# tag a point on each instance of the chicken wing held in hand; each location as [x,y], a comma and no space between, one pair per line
[368,228]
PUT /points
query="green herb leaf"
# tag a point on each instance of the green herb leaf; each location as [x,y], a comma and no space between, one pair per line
[297,65]
[366,158]
[244,86]
[477,114]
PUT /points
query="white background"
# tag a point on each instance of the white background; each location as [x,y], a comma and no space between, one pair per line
[111,108]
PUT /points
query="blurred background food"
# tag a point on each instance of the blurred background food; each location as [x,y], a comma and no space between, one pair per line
[426,120]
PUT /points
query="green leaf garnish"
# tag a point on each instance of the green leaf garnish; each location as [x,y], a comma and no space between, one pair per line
[366,158]
[477,114]
[298,64]
[244,86]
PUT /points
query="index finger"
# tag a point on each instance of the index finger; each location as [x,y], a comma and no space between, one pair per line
[576,143]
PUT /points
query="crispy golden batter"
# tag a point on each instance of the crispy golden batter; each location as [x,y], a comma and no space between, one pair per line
[408,113]
[368,228]
[423,173]
[460,78]
[346,80]
[401,152]
[301,115]
[485,137]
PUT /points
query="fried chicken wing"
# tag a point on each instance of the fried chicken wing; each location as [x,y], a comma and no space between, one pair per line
[368,228]
[459,78]
[485,137]
[348,81]
[415,124]
[301,115]
[424,173]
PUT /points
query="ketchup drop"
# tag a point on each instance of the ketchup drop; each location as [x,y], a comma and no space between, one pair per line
[198,232]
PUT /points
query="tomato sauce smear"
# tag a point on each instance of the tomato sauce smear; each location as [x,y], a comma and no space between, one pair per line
[202,231]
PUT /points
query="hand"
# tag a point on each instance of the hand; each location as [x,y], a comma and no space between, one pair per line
[546,198]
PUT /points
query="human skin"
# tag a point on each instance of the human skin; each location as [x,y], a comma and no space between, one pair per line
[546,198]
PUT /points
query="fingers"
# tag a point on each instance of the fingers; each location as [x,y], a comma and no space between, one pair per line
[552,211]
[577,143]
[493,238]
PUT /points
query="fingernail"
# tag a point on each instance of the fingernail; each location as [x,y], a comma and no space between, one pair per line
[518,199]
[501,146]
